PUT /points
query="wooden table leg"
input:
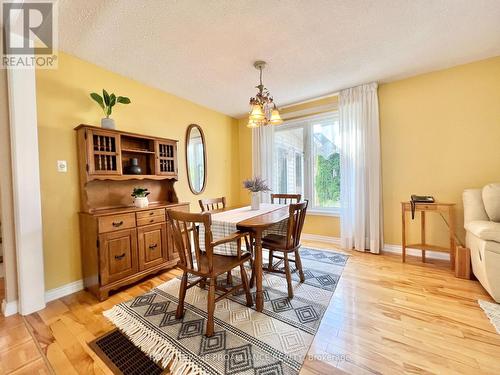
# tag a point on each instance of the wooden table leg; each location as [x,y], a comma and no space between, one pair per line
[451,214]
[403,232]
[259,297]
[422,233]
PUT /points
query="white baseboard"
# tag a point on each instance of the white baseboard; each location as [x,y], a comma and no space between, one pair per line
[10,308]
[390,248]
[317,237]
[417,252]
[63,291]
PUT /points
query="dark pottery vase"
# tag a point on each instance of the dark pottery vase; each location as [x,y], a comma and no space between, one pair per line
[133,168]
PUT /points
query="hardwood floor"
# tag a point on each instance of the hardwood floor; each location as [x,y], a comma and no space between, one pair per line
[385,318]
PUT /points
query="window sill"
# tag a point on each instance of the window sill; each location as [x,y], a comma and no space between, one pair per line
[316,212]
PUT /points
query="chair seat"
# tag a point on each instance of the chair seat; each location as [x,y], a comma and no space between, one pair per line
[274,241]
[222,263]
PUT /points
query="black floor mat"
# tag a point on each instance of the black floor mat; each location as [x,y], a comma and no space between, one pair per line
[122,356]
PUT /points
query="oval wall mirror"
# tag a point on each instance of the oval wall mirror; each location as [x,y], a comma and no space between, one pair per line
[196,158]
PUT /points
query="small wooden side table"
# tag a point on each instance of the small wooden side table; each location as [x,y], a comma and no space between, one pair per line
[438,207]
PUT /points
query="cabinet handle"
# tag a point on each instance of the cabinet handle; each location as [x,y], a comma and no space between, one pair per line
[151,213]
[152,220]
[151,247]
[120,257]
[117,224]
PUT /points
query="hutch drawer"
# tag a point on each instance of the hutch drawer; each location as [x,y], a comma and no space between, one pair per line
[148,213]
[116,222]
[151,220]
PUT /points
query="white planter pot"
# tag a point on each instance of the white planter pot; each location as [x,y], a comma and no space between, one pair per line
[141,202]
[255,201]
[107,123]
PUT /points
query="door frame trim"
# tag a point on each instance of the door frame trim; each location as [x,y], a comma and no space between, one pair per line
[26,189]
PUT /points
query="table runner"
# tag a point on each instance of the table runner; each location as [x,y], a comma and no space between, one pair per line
[224,224]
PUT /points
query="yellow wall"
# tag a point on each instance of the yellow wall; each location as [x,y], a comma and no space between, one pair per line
[63,102]
[322,225]
[440,134]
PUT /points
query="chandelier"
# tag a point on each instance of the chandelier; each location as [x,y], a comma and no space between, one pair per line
[263,110]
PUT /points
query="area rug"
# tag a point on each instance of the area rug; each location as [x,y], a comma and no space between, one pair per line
[274,342]
[492,310]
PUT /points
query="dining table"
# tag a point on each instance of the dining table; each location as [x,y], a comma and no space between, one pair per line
[256,225]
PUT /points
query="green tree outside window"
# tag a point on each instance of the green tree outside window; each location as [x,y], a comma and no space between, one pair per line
[327,180]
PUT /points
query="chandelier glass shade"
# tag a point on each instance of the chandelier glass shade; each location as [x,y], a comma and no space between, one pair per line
[263,110]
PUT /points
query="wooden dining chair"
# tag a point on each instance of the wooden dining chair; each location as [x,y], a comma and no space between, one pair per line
[281,199]
[205,264]
[288,243]
[212,204]
[216,204]
[285,198]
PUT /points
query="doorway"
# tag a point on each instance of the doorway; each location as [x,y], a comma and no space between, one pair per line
[22,243]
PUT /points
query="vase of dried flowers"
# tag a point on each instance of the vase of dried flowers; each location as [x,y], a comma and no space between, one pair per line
[255,201]
[255,186]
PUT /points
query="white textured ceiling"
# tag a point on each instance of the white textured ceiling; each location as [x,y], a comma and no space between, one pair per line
[203,50]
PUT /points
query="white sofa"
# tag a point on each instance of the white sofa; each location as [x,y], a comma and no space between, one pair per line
[482,224]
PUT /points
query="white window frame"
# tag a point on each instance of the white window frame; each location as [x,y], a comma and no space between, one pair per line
[308,160]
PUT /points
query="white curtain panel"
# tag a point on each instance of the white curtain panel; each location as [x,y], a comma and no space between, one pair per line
[262,156]
[360,186]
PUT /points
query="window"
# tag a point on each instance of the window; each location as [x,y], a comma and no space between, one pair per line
[288,143]
[299,167]
[307,161]
[283,171]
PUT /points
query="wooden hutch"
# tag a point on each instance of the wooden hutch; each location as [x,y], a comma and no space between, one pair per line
[121,243]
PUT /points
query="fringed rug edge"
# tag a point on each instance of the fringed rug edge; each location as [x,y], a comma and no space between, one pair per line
[492,311]
[156,347]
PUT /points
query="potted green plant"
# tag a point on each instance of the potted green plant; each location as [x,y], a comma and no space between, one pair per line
[107,102]
[140,195]
[255,186]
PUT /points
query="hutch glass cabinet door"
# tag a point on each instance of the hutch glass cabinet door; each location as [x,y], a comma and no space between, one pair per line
[166,160]
[103,152]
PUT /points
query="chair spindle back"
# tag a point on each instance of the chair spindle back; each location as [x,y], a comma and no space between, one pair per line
[285,198]
[297,215]
[212,204]
[186,235]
